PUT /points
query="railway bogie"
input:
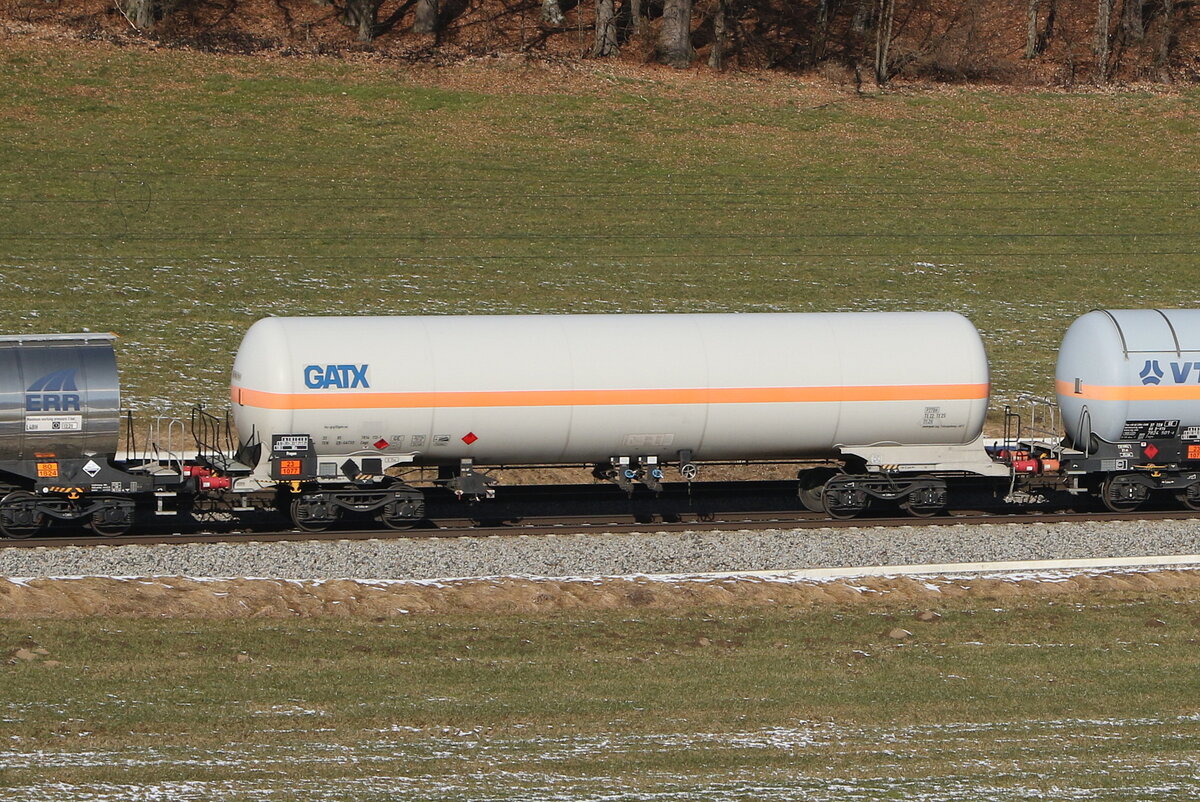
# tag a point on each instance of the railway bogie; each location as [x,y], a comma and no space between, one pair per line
[315,509]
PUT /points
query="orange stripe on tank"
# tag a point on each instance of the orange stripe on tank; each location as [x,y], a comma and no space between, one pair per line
[1149,392]
[582,398]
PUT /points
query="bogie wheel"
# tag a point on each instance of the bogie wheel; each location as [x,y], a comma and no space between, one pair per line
[925,502]
[111,521]
[402,512]
[303,519]
[812,487]
[1187,499]
[844,505]
[1120,495]
[393,522]
[919,511]
[19,517]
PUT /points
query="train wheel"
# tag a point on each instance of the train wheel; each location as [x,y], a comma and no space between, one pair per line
[1188,499]
[927,499]
[844,503]
[19,517]
[919,511]
[306,518]
[394,522]
[1119,494]
[812,486]
[107,526]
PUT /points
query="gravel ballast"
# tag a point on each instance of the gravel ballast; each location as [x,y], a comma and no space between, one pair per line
[616,554]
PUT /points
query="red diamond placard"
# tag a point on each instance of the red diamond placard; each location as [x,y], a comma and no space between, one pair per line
[381,444]
[1151,451]
[470,437]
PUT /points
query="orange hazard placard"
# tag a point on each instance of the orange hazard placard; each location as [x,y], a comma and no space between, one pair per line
[1193,452]
[47,470]
[289,467]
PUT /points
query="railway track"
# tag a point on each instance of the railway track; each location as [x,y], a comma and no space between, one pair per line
[597,524]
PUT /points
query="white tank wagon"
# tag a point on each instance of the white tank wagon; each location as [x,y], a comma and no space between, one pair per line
[1128,387]
[330,399]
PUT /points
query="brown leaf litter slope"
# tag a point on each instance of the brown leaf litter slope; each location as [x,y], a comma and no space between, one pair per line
[180,597]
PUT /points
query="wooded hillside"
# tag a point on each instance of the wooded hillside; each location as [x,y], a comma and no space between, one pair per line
[1023,42]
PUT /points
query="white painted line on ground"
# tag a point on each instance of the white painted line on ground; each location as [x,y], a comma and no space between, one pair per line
[1011,566]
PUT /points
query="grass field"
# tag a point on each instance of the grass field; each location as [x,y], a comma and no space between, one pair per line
[175,197]
[1079,698]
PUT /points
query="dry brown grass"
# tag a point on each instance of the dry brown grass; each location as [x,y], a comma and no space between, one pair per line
[178,597]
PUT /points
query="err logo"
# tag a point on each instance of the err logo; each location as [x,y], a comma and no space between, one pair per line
[54,392]
[341,377]
[1175,373]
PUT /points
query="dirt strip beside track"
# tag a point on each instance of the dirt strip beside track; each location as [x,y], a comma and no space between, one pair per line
[181,597]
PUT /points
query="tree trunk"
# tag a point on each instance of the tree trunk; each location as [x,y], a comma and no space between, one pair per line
[605,43]
[883,41]
[862,13]
[1132,26]
[635,17]
[1048,28]
[360,14]
[1103,17]
[675,38]
[822,38]
[1031,29]
[1166,33]
[141,14]
[552,13]
[427,17]
[716,56]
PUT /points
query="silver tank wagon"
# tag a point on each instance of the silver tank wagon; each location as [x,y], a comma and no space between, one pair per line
[59,395]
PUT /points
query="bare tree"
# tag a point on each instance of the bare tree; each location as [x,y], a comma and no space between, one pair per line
[552,13]
[821,40]
[360,14]
[1132,26]
[605,43]
[716,56]
[1162,58]
[1100,48]
[675,37]
[883,41]
[636,14]
[1048,27]
[1031,29]
[862,15]
[140,13]
[426,20]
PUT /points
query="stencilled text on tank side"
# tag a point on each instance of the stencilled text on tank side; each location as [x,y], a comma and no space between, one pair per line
[1149,429]
[935,418]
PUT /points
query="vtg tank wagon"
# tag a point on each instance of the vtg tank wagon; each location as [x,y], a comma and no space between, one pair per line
[871,407]
[1128,387]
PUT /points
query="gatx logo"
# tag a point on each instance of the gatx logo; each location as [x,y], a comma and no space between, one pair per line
[342,377]
[1176,373]
[54,392]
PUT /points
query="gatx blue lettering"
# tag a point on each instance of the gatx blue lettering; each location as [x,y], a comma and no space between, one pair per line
[342,377]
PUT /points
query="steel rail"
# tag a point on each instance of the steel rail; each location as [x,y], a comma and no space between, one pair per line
[599,525]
